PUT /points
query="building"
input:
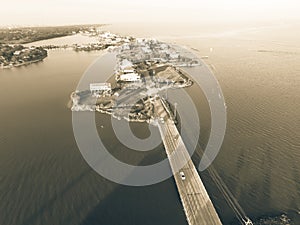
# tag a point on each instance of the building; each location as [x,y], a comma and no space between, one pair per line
[128,70]
[96,88]
[131,77]
[17,53]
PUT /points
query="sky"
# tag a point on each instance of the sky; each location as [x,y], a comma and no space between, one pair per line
[61,12]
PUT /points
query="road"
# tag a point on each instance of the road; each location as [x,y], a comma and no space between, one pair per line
[197,205]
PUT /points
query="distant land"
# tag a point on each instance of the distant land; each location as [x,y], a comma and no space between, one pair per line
[24,35]
[14,54]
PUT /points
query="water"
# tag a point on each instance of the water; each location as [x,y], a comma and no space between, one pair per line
[258,69]
[44,179]
[67,40]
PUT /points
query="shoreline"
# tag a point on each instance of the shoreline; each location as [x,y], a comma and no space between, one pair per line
[22,64]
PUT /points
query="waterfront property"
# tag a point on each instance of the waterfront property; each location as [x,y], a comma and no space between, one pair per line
[18,55]
[98,88]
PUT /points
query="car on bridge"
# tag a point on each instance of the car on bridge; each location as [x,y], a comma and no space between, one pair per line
[182,175]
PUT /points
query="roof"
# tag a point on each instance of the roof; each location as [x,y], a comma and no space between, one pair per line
[100,86]
[128,70]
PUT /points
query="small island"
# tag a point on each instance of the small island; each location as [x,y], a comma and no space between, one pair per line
[145,70]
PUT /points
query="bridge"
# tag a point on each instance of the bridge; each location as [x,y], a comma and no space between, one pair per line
[198,207]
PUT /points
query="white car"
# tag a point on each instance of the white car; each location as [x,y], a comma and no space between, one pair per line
[182,175]
[162,120]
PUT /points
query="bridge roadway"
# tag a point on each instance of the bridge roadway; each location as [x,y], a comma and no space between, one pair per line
[197,205]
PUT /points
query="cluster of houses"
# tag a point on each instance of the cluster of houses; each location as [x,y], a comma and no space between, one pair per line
[153,50]
[106,40]
[149,53]
[11,55]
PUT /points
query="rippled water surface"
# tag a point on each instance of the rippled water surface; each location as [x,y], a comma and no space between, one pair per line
[44,180]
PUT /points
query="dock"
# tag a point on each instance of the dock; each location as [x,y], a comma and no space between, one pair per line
[197,205]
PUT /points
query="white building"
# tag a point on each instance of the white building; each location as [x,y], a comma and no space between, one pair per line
[130,77]
[100,87]
[17,53]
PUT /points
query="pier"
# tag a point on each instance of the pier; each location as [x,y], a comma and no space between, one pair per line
[198,207]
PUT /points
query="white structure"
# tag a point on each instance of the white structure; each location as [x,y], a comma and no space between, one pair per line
[146,49]
[17,52]
[128,70]
[97,87]
[130,77]
[174,55]
[125,64]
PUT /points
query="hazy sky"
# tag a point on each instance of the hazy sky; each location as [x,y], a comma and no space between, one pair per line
[52,12]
